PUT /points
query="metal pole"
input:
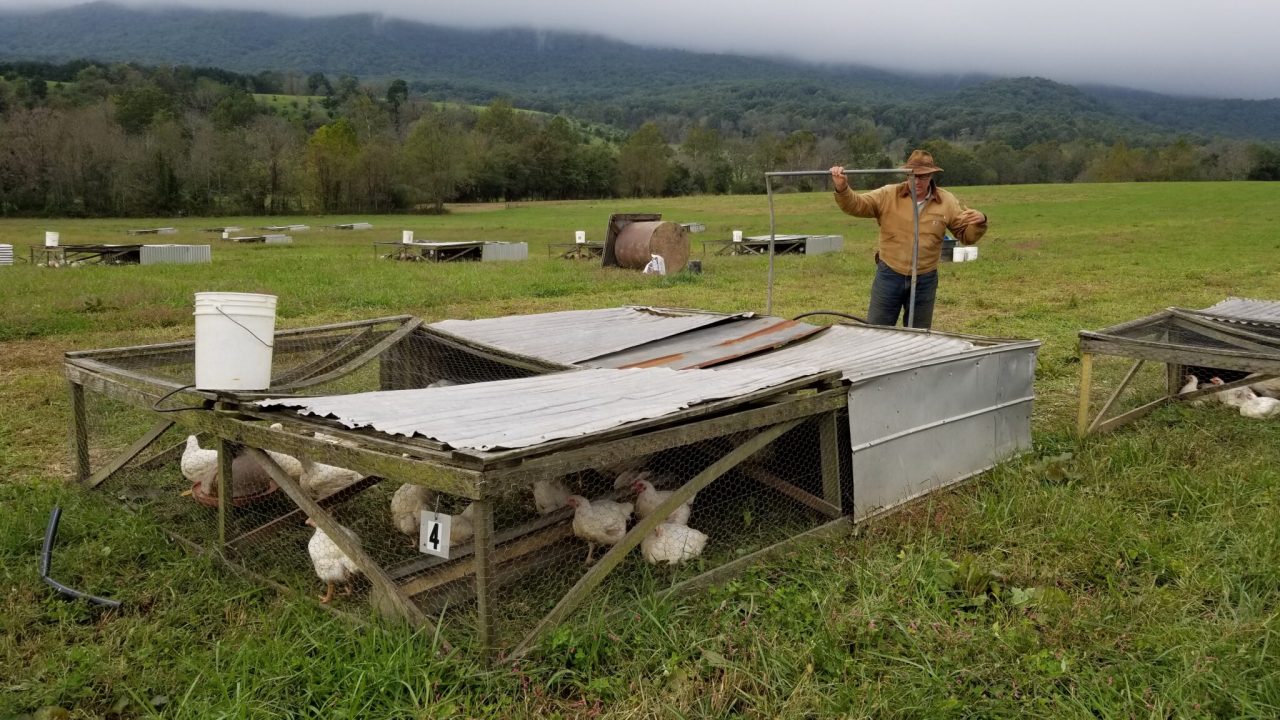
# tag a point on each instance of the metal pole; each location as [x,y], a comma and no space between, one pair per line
[915,248]
[915,254]
[768,188]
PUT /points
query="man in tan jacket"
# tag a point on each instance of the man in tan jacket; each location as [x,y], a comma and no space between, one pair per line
[891,206]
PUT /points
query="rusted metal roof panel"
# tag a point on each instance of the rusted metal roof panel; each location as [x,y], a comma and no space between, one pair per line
[574,336]
[529,411]
[708,346]
[859,351]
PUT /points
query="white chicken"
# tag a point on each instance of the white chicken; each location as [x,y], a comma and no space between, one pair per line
[407,505]
[628,476]
[198,463]
[331,564]
[672,544]
[1266,388]
[549,495]
[288,463]
[463,527]
[1191,386]
[648,500]
[1235,397]
[602,522]
[1260,408]
[319,480]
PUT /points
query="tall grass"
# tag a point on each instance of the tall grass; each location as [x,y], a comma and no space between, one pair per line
[1133,575]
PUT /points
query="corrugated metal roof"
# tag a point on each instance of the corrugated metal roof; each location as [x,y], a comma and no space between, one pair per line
[712,345]
[529,411]
[574,336]
[858,351]
[1247,309]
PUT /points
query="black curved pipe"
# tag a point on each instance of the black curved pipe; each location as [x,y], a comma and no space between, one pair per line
[46,559]
[846,316]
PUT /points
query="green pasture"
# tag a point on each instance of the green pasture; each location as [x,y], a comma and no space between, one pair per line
[1133,575]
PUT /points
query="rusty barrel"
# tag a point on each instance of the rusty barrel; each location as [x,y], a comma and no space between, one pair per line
[639,240]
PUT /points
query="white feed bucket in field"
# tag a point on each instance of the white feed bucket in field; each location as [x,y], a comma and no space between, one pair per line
[958,254]
[971,252]
[234,336]
[406,236]
[50,239]
[579,236]
[737,236]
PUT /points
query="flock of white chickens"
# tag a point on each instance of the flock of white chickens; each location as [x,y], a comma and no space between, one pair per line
[599,522]
[1260,400]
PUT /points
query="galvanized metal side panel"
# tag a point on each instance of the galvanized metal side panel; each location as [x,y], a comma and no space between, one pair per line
[920,429]
[819,244]
[495,251]
[174,254]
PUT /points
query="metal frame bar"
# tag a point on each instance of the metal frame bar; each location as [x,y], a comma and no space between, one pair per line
[773,232]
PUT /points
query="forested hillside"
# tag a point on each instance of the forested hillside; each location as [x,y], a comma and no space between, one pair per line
[626,85]
[444,115]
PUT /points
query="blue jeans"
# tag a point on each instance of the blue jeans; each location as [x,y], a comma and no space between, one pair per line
[891,295]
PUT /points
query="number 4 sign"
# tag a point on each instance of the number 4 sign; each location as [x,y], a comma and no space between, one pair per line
[433,536]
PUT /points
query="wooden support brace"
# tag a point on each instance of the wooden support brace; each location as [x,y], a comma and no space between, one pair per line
[593,577]
[383,585]
[1114,395]
[123,458]
[829,446]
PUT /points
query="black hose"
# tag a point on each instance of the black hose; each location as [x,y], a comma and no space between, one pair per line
[846,316]
[46,559]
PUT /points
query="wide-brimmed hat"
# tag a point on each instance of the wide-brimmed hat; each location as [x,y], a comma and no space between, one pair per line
[921,163]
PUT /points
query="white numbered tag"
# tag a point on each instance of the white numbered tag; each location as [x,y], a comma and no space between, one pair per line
[433,537]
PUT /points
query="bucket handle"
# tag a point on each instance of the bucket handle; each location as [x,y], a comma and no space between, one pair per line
[255,337]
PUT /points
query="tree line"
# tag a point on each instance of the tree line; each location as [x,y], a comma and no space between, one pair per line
[88,139]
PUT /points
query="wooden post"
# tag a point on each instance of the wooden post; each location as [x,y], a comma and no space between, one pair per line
[79,433]
[1086,386]
[486,576]
[226,489]
[829,446]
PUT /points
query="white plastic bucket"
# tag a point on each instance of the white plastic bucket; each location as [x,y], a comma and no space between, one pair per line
[50,239]
[737,236]
[406,236]
[234,336]
[958,254]
[579,236]
[971,252]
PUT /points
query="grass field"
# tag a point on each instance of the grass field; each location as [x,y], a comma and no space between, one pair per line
[1137,577]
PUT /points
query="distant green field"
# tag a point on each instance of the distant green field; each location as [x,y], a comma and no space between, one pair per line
[1142,580]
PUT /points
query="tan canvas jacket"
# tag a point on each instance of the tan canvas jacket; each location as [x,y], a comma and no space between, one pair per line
[891,207]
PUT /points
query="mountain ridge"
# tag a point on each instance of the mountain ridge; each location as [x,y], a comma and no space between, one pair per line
[627,85]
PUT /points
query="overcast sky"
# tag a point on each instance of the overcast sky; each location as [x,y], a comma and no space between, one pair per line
[1216,48]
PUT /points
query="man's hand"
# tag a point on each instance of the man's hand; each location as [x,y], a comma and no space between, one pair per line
[838,180]
[970,217]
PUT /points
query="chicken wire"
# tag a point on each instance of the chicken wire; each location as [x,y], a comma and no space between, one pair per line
[773,495]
